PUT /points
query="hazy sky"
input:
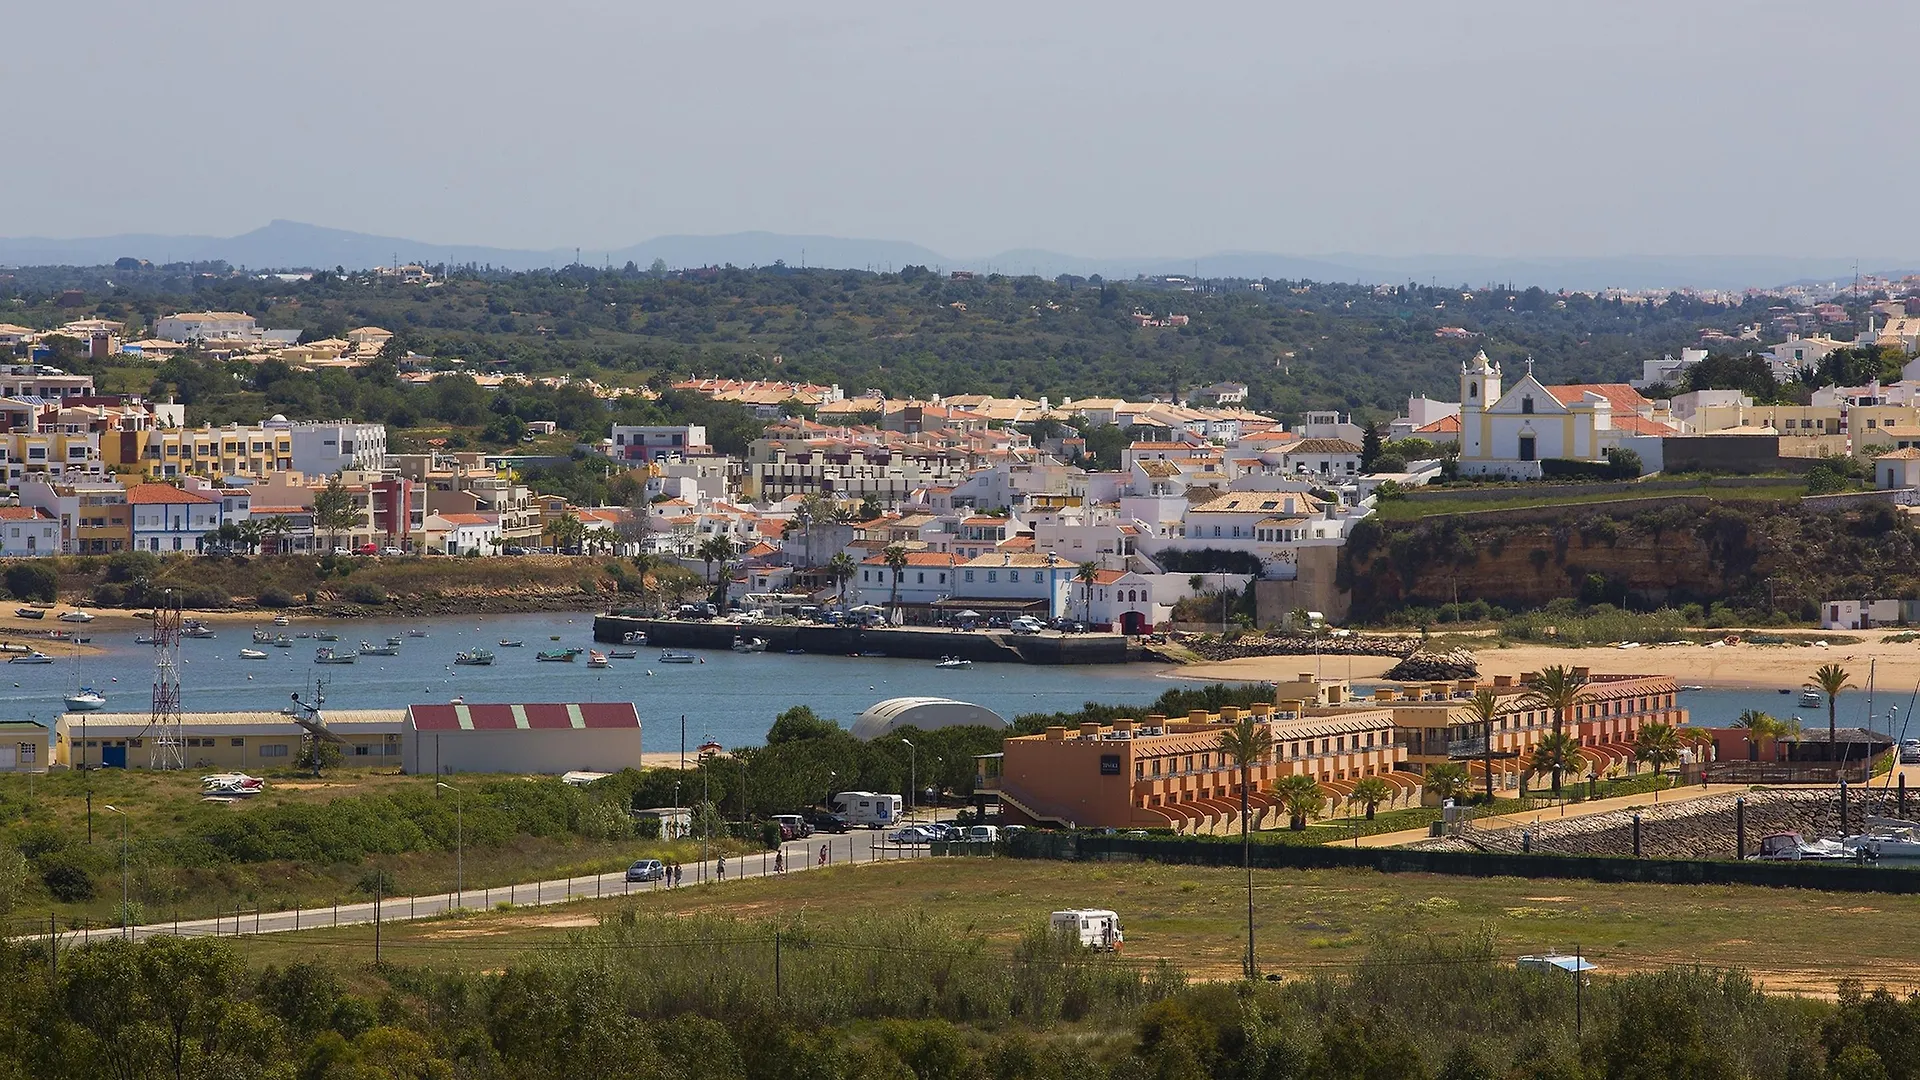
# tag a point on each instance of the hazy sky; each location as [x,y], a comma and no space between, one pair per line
[1105,129]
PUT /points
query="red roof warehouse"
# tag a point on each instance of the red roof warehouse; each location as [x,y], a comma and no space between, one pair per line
[523,738]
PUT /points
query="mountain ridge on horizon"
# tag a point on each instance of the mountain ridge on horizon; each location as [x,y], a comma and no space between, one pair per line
[283,244]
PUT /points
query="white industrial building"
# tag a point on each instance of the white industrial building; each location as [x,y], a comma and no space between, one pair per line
[923,713]
[543,738]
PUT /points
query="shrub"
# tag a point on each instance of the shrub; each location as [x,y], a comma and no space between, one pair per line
[67,881]
[274,596]
[366,592]
[205,597]
[32,581]
[132,565]
[109,596]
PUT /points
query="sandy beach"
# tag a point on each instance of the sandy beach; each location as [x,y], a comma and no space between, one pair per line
[1743,666]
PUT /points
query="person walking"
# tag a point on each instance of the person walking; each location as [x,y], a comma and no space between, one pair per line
[676,875]
[779,862]
[720,867]
[823,854]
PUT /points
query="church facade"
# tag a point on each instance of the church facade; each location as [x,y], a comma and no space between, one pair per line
[1508,431]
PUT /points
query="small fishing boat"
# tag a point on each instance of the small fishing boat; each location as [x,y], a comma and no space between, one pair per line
[1886,838]
[32,657]
[231,786]
[1784,690]
[949,663]
[670,656]
[624,654]
[596,658]
[197,630]
[746,645]
[1690,687]
[368,648]
[1791,847]
[634,637]
[328,656]
[283,620]
[304,634]
[395,641]
[511,643]
[252,654]
[86,699]
[560,656]
[263,637]
[145,639]
[30,613]
[76,616]
[474,658]
[326,635]
[282,641]
[416,633]
[1809,696]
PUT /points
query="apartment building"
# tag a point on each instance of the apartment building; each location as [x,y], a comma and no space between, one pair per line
[252,451]
[322,448]
[776,470]
[41,381]
[1158,772]
[27,531]
[93,514]
[641,443]
[206,326]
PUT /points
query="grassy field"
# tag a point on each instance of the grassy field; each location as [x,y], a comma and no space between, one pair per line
[171,876]
[1306,921]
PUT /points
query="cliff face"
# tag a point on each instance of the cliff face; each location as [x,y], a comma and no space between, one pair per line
[1769,556]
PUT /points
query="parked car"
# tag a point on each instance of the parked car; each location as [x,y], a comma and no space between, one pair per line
[982,834]
[515,549]
[1910,752]
[912,834]
[390,551]
[792,826]
[821,821]
[1026,624]
[647,870]
[342,551]
[943,831]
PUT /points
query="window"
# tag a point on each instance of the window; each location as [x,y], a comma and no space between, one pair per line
[993,575]
[1526,405]
[969,577]
[920,578]
[239,742]
[277,750]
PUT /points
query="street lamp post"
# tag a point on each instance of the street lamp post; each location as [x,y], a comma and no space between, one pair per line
[913,774]
[459,846]
[126,910]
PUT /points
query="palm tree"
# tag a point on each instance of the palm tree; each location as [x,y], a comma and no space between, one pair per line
[1246,742]
[250,533]
[1086,573]
[1486,709]
[1555,689]
[715,549]
[1302,796]
[1763,728]
[565,532]
[1370,792]
[1656,745]
[277,528]
[896,557]
[840,568]
[1446,780]
[1832,678]
[1556,753]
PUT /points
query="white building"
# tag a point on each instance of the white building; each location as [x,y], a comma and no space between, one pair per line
[632,442]
[928,577]
[1797,354]
[206,326]
[1858,614]
[1508,432]
[1668,369]
[327,447]
[551,738]
[168,519]
[461,534]
[1422,412]
[1335,459]
[41,381]
[27,531]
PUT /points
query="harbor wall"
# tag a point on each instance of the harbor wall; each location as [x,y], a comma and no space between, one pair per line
[912,644]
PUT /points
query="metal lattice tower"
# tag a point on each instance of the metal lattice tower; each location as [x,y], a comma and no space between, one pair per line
[166,738]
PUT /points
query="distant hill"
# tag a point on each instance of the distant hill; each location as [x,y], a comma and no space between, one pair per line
[294,245]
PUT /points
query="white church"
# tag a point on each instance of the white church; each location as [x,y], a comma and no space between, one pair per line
[1508,432]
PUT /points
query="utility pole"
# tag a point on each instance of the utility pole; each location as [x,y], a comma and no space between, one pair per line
[459,845]
[126,912]
[913,774]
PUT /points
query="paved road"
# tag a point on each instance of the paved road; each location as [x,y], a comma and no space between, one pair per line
[859,847]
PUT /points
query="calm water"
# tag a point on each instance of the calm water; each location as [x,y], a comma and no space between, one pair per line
[731,697]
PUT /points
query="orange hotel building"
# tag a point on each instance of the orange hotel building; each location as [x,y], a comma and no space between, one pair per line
[1169,773]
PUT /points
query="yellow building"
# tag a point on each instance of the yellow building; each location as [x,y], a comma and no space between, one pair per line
[248,741]
[252,451]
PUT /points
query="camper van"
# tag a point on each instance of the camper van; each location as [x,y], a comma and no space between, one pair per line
[1092,928]
[867,809]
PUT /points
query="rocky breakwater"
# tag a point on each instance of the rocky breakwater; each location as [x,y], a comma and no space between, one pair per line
[1695,829]
[1228,647]
[1424,666]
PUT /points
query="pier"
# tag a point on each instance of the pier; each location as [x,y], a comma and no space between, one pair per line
[911,643]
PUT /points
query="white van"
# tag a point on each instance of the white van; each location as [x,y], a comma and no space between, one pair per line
[983,834]
[1093,928]
[867,809]
[1026,624]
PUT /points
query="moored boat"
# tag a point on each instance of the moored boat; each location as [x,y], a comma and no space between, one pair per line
[952,662]
[416,633]
[634,637]
[596,658]
[326,635]
[746,645]
[1791,847]
[33,657]
[76,616]
[86,699]
[474,658]
[263,637]
[511,643]
[328,656]
[368,648]
[623,654]
[252,654]
[282,641]
[562,656]
[30,613]
[670,656]
[283,620]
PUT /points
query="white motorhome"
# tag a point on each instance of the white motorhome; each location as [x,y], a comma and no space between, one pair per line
[867,809]
[1093,928]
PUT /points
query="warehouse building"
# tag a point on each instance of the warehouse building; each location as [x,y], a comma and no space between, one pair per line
[550,738]
[925,713]
[226,740]
[23,746]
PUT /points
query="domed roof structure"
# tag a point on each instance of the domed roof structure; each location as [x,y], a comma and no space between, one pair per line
[925,713]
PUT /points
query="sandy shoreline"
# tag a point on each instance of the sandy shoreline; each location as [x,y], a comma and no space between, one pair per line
[1733,667]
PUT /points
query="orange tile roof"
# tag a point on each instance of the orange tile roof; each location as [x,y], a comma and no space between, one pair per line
[164,495]
[1446,425]
[916,558]
[1622,397]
